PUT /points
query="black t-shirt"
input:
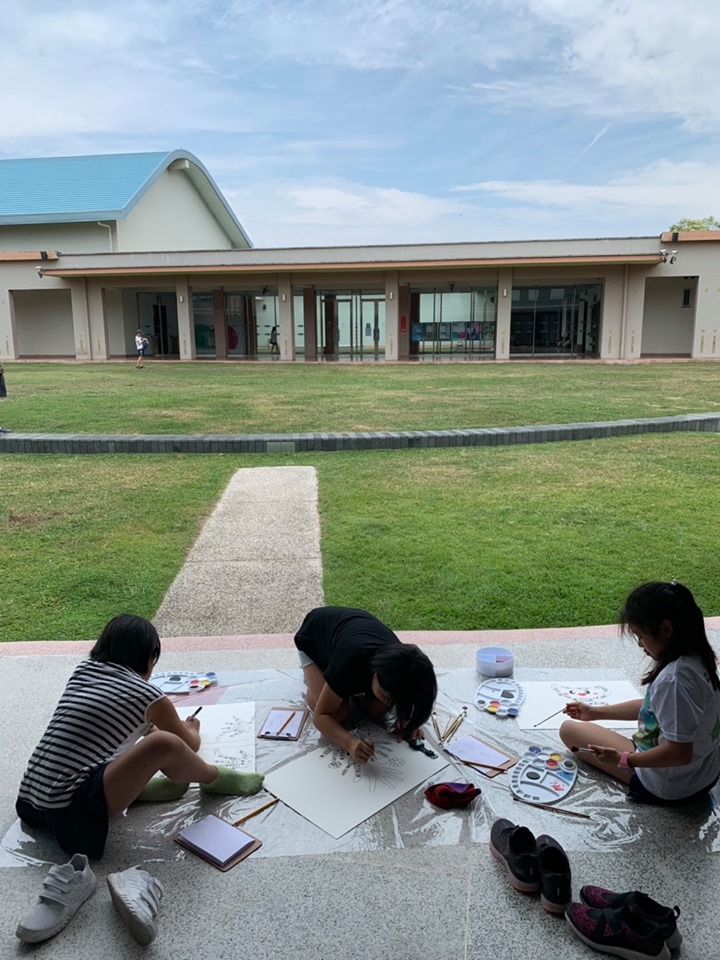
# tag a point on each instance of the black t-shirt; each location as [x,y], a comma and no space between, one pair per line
[342,642]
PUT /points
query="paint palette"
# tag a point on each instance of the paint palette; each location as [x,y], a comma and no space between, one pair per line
[182,681]
[502,698]
[543,777]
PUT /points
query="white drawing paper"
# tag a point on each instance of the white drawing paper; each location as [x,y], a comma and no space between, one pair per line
[545,697]
[228,734]
[336,794]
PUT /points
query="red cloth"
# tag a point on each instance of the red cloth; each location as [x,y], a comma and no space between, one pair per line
[449,796]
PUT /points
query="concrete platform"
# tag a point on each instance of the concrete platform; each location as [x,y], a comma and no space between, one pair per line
[433,899]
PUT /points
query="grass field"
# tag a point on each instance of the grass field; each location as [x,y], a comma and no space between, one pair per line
[257,398]
[468,538]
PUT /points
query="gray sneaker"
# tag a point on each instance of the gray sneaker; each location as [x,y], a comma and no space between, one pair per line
[136,895]
[64,890]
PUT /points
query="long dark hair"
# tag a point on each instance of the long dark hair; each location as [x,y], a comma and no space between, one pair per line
[406,674]
[652,603]
[128,641]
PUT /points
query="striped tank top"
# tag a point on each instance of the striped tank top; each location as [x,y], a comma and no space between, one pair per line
[103,705]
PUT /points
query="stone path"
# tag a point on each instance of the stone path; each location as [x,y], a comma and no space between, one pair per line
[256,566]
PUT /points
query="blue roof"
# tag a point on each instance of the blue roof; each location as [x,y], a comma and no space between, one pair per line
[101,187]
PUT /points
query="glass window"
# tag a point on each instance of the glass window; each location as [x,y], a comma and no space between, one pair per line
[556,321]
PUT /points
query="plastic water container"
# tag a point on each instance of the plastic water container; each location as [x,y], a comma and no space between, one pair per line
[494,662]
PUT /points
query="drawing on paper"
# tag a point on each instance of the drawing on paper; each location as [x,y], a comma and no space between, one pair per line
[545,701]
[228,734]
[596,695]
[328,788]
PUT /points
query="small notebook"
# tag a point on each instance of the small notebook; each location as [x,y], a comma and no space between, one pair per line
[477,751]
[217,841]
[284,723]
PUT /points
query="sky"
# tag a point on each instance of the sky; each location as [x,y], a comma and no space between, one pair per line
[330,122]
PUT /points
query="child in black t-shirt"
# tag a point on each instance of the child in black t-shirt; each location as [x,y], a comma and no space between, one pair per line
[347,653]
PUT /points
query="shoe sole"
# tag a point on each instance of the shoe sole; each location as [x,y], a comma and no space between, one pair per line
[137,927]
[521,886]
[673,941]
[556,908]
[36,936]
[625,952]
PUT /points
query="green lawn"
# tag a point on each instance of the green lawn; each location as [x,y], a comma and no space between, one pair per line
[468,538]
[256,398]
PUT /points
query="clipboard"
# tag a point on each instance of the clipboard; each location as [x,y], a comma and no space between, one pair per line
[284,723]
[215,832]
[476,751]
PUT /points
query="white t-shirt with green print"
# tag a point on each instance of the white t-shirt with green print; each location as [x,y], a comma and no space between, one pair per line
[681,705]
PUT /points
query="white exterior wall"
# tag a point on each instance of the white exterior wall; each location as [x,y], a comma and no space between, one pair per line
[667,325]
[63,237]
[171,215]
[43,323]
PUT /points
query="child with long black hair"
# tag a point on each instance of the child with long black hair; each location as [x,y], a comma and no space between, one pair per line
[79,777]
[675,754]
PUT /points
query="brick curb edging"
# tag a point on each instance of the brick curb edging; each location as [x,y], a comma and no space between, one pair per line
[331,442]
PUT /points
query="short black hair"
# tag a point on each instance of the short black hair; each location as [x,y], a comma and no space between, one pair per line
[407,675]
[128,641]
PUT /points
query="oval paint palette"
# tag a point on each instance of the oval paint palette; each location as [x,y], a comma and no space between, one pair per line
[501,698]
[543,777]
[182,681]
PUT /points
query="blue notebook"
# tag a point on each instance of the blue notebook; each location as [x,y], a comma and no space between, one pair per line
[217,841]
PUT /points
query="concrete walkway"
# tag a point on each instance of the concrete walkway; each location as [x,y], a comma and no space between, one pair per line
[256,566]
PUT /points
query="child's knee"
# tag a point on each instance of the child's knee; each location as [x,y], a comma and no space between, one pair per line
[569,732]
[162,743]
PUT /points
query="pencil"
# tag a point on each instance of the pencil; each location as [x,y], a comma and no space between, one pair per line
[196,713]
[550,717]
[486,766]
[290,717]
[547,806]
[254,813]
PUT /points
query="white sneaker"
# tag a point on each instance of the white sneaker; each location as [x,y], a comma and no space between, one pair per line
[136,895]
[64,890]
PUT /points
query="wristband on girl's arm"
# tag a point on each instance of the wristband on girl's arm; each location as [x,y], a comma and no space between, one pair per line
[623,761]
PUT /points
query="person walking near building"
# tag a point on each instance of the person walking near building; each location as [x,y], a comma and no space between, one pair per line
[141,342]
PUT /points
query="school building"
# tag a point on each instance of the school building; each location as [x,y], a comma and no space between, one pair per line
[94,248]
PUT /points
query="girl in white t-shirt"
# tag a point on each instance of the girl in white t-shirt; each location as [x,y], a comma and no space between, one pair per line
[675,754]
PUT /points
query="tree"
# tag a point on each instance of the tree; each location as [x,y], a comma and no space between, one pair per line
[707,223]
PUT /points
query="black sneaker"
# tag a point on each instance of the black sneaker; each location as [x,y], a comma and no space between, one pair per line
[516,848]
[555,876]
[664,917]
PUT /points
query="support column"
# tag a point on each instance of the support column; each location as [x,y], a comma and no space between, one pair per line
[186,320]
[310,323]
[220,324]
[7,325]
[97,322]
[286,319]
[504,311]
[81,319]
[706,326]
[635,308]
[393,312]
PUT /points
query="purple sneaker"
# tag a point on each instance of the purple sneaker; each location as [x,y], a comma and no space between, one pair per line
[664,917]
[621,933]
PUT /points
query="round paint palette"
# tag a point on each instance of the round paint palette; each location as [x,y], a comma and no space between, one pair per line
[543,777]
[182,681]
[501,698]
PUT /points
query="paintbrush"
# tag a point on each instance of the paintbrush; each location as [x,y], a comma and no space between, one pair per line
[561,710]
[436,727]
[485,766]
[547,806]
